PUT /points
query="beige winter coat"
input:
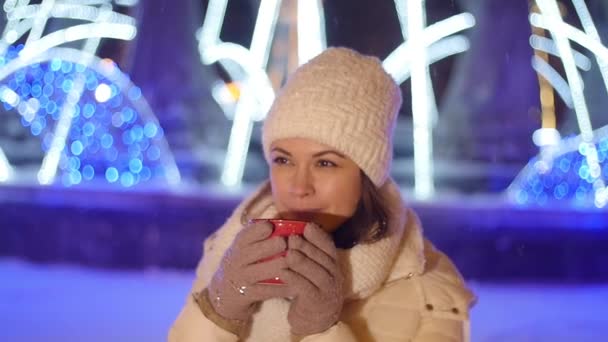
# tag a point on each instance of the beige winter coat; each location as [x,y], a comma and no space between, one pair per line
[399,288]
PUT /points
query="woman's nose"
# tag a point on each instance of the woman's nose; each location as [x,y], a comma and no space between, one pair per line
[301,183]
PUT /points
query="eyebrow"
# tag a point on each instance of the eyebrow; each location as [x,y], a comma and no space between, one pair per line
[318,154]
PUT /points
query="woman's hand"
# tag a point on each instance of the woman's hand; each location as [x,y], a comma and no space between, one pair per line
[234,288]
[314,280]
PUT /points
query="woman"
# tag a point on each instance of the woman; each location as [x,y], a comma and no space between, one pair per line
[362,270]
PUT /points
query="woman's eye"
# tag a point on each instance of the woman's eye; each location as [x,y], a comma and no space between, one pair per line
[326,163]
[280,160]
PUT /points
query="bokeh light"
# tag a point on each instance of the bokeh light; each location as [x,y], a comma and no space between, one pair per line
[108,138]
[569,178]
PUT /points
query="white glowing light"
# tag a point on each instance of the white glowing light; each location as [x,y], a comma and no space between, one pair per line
[17,31]
[210,31]
[396,60]
[545,44]
[9,5]
[311,38]
[126,2]
[422,46]
[12,36]
[238,145]
[257,93]
[88,13]
[590,29]
[421,111]
[442,49]
[222,95]
[226,52]
[28,109]
[6,171]
[9,96]
[240,135]
[546,137]
[74,33]
[263,31]
[543,21]
[103,93]
[402,14]
[33,18]
[554,78]
[40,18]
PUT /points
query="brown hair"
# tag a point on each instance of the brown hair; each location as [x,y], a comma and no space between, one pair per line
[368,223]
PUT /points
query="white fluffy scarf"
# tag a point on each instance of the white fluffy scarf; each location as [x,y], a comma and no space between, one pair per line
[365,266]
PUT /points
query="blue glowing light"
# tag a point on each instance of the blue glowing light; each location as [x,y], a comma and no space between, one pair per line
[108,140]
[77,147]
[66,67]
[51,107]
[88,129]
[135,93]
[135,165]
[111,154]
[112,174]
[128,115]
[75,177]
[67,85]
[47,90]
[569,179]
[36,90]
[153,153]
[36,128]
[88,110]
[56,64]
[137,133]
[150,130]
[134,151]
[127,179]
[88,172]
[145,173]
[73,163]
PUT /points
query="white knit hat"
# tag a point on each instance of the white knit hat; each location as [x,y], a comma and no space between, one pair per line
[344,100]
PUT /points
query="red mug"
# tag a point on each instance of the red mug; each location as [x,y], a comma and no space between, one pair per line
[283,228]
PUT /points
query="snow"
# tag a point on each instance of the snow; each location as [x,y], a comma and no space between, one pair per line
[70,303]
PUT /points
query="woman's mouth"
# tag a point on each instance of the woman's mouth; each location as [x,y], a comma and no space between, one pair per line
[328,222]
[308,215]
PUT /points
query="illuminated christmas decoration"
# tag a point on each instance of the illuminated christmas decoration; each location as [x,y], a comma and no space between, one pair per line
[422,46]
[567,169]
[247,67]
[6,171]
[92,120]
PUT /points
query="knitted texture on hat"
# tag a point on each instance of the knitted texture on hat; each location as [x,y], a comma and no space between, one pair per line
[344,100]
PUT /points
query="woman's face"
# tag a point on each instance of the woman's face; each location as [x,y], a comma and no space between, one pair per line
[313,182]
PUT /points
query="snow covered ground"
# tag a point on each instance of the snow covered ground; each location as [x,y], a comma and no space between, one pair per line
[69,303]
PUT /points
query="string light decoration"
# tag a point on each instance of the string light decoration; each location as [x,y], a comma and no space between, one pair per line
[422,46]
[571,170]
[92,121]
[569,179]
